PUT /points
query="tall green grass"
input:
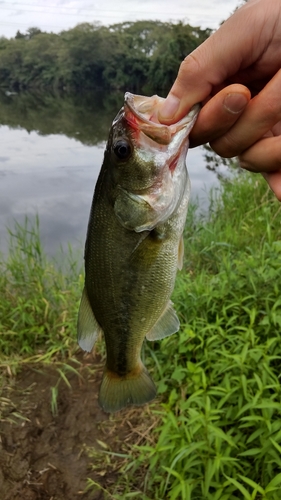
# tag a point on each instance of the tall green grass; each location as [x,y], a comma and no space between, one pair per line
[218,433]
[38,302]
[219,436]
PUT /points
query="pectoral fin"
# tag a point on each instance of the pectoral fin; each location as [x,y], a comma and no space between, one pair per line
[167,324]
[134,212]
[180,254]
[87,326]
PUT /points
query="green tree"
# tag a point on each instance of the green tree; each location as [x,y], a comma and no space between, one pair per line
[135,56]
[179,41]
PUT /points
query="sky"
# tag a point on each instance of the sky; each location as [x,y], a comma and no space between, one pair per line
[58,15]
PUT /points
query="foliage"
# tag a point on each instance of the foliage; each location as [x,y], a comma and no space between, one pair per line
[219,436]
[177,43]
[86,117]
[38,301]
[217,433]
[128,55]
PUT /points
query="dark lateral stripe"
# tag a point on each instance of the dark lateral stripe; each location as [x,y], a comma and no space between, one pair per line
[122,355]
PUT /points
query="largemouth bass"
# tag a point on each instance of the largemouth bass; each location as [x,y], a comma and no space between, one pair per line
[134,246]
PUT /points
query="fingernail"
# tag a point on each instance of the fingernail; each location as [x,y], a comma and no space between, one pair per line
[170,107]
[235,103]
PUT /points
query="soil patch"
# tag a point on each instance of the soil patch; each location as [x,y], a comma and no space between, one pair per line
[48,423]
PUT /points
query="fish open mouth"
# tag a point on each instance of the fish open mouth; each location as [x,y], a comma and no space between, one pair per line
[141,113]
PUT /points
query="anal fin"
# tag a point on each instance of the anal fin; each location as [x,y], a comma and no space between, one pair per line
[87,326]
[166,325]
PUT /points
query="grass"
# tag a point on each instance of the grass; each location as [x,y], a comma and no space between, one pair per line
[38,302]
[217,433]
[219,430]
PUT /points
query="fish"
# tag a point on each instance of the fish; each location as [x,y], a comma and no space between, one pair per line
[134,246]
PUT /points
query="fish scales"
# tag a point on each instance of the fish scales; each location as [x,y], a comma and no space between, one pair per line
[133,248]
[114,285]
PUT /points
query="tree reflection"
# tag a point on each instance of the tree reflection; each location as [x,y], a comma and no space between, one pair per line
[214,162]
[85,117]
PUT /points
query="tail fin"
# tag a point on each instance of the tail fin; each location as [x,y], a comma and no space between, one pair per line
[133,389]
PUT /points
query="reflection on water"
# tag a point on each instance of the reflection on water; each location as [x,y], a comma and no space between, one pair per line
[51,153]
[84,116]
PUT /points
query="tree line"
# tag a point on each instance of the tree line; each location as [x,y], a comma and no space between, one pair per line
[132,55]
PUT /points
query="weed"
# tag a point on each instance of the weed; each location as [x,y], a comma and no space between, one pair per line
[38,302]
[217,434]
[219,430]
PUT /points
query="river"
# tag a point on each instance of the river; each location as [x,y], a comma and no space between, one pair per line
[51,152]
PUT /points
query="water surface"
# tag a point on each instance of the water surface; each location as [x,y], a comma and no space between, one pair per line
[51,153]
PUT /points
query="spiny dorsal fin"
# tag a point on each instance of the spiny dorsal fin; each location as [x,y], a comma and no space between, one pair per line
[167,324]
[87,326]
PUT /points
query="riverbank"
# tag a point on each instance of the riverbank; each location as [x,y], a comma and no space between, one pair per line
[214,430]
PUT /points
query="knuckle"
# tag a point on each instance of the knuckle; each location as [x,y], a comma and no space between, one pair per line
[245,165]
[227,146]
[190,65]
[271,116]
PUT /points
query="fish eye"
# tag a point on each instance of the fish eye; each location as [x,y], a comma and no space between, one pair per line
[122,149]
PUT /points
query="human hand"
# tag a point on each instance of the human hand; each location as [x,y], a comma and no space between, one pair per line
[246,52]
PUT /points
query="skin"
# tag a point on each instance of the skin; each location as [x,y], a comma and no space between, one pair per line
[236,75]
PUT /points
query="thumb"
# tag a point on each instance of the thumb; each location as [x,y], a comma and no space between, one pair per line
[191,87]
[218,58]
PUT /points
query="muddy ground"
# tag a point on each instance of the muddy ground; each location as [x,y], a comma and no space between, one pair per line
[44,449]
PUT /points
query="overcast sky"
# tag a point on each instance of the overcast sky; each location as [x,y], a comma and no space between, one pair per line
[58,15]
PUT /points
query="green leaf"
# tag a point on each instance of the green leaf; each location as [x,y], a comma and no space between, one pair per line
[240,487]
[250,453]
[252,483]
[63,376]
[221,434]
[275,444]
[273,483]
